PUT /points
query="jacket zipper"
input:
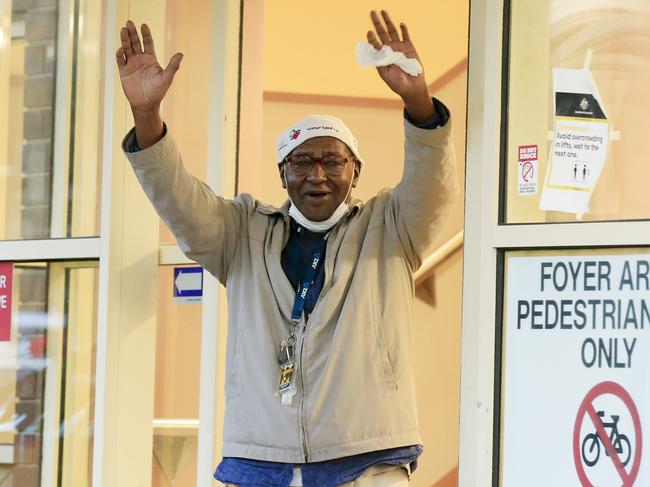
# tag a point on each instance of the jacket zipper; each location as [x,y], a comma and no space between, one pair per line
[305,445]
[305,442]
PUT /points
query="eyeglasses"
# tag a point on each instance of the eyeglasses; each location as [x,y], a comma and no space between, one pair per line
[333,165]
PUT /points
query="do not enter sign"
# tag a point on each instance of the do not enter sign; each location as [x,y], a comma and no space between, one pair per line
[607,438]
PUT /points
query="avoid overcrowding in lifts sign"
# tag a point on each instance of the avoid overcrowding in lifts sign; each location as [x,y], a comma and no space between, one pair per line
[575,395]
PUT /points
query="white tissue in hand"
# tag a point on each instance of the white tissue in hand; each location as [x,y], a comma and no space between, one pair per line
[368,56]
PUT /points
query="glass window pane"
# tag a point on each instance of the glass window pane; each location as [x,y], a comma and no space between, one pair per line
[86,144]
[47,376]
[50,142]
[176,400]
[574,134]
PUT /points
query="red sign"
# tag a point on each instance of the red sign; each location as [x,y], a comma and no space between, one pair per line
[527,153]
[6,273]
[616,445]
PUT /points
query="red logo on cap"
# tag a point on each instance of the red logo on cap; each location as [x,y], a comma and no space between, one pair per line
[293,135]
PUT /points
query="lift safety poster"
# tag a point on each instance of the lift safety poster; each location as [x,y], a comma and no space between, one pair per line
[575,392]
[580,139]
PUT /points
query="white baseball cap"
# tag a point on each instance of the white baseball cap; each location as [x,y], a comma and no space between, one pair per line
[316,126]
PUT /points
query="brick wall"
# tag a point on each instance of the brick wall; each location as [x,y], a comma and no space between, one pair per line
[40,36]
[30,377]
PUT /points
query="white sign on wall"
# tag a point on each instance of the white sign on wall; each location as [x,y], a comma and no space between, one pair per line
[579,149]
[575,402]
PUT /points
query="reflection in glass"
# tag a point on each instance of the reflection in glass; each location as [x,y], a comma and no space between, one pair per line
[47,377]
[49,121]
[610,38]
[176,397]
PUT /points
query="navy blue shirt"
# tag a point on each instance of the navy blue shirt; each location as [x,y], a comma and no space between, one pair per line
[296,257]
[256,473]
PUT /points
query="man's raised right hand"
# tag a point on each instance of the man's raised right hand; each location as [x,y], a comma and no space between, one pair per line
[144,81]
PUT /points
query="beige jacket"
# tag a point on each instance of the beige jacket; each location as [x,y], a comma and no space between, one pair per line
[355,371]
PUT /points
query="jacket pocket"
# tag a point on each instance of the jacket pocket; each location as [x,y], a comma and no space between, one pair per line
[232,382]
[386,363]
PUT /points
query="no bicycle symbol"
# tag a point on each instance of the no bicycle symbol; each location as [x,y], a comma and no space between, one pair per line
[607,440]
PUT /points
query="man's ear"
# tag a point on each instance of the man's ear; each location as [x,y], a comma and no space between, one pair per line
[282,178]
[357,172]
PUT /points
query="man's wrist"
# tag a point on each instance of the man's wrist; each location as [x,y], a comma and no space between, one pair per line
[148,127]
[440,118]
[420,108]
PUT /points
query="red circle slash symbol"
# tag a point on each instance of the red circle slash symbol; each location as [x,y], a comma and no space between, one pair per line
[617,446]
[527,171]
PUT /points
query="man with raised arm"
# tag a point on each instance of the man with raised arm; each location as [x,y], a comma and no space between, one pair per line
[319,379]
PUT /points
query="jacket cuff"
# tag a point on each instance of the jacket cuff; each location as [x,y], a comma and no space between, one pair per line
[142,158]
[440,119]
[436,138]
[130,143]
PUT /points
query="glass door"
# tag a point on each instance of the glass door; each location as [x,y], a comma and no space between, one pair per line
[47,375]
[554,394]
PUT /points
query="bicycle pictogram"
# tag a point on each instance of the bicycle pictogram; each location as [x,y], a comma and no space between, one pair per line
[623,450]
[591,443]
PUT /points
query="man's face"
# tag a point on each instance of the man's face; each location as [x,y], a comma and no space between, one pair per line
[318,193]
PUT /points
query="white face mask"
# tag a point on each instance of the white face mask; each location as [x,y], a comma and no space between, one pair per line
[324,225]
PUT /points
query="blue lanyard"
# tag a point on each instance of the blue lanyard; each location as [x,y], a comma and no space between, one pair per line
[306,283]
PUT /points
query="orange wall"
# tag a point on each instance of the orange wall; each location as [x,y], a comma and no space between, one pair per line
[437,375]
[185,109]
[309,46]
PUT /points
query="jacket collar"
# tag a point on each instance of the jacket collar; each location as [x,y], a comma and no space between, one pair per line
[266,209]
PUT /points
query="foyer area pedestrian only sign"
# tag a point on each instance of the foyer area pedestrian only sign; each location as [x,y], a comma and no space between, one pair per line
[575,395]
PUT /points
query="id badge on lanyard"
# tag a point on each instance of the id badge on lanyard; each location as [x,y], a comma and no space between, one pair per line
[287,387]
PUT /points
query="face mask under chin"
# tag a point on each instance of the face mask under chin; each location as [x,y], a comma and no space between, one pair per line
[321,226]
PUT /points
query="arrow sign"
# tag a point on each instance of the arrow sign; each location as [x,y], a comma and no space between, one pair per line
[188,284]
